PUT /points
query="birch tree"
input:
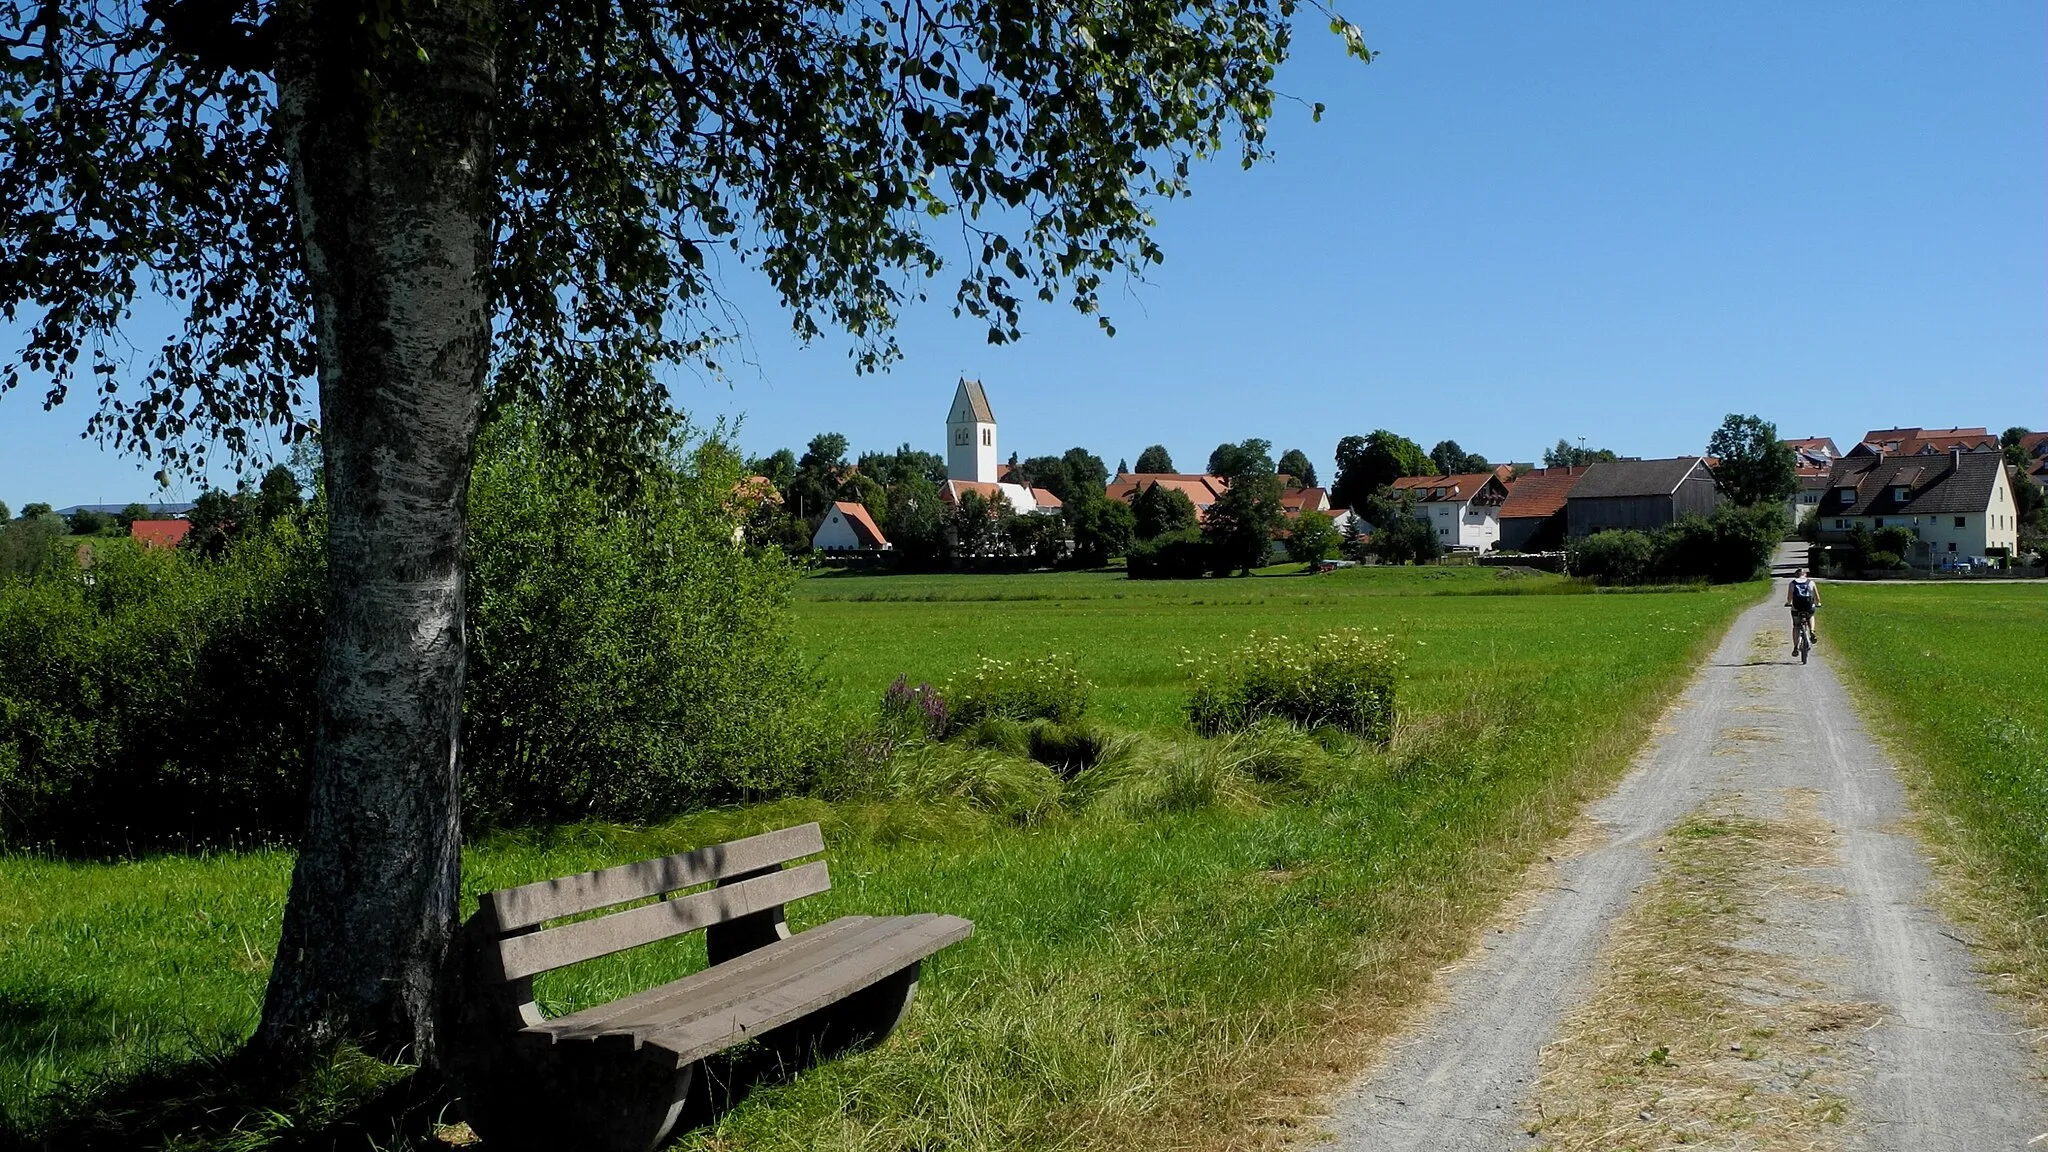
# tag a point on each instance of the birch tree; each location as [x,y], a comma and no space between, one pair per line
[376,217]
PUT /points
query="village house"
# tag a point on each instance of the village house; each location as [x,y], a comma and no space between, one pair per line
[848,528]
[1532,519]
[1464,509]
[1814,452]
[1639,495]
[1960,504]
[1298,500]
[1924,441]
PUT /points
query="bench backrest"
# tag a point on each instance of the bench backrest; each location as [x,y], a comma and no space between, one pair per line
[750,882]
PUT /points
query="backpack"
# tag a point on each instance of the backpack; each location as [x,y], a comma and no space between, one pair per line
[1802,597]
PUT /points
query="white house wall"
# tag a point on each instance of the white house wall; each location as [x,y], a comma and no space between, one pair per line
[1461,525]
[835,534]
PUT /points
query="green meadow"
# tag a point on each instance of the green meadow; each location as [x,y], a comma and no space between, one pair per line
[1171,976]
[1952,676]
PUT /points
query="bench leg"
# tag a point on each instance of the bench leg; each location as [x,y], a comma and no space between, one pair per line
[583,1099]
[862,1020]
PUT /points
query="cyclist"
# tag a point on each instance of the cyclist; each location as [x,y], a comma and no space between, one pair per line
[1802,596]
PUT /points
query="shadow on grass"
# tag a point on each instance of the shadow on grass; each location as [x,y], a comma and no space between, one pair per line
[240,1103]
[346,1102]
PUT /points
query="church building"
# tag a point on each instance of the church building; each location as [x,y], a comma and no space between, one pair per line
[971,455]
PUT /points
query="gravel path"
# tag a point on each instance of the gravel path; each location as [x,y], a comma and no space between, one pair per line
[1941,1068]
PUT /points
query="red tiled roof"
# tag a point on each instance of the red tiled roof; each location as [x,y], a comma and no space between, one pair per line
[1540,492]
[756,490]
[159,533]
[1202,490]
[1305,499]
[1814,444]
[1466,484]
[864,528]
[1045,499]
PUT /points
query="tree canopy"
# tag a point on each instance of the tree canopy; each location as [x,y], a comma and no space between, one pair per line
[1753,466]
[1565,454]
[1155,459]
[1451,460]
[1295,463]
[1365,464]
[1253,457]
[848,152]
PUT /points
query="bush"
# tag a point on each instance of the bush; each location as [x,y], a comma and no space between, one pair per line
[1178,555]
[28,546]
[1045,688]
[1342,679]
[163,702]
[1732,545]
[1614,557]
[626,659]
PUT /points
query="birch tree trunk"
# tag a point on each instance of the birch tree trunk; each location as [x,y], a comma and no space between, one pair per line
[388,138]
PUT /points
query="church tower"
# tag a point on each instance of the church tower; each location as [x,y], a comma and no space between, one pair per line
[971,435]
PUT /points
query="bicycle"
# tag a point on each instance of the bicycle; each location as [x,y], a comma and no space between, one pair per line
[1802,635]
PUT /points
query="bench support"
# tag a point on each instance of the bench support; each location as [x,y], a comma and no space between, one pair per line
[861,1020]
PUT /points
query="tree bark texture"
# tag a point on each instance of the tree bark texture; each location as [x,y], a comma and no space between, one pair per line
[388,138]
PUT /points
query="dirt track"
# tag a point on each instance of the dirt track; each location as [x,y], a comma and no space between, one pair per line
[1823,1005]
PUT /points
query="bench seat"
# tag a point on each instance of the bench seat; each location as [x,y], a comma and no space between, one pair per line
[743,998]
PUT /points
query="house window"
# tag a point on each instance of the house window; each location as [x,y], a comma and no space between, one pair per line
[1899,494]
[1961,522]
[1841,523]
[1952,544]
[987,437]
[1879,522]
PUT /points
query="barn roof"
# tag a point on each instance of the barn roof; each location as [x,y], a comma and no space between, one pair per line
[1540,492]
[1625,478]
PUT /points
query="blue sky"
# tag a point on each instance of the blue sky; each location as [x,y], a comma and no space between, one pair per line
[1522,222]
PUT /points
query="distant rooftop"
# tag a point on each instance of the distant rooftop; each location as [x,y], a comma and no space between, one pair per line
[175,508]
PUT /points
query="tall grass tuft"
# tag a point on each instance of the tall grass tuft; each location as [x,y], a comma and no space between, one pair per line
[1342,679]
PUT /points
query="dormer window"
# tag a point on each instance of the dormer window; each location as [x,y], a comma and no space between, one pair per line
[1899,493]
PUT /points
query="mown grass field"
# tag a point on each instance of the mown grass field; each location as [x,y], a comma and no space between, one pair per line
[1178,980]
[1952,676]
[1130,636]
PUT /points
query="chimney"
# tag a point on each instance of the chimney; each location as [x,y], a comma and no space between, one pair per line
[1955,458]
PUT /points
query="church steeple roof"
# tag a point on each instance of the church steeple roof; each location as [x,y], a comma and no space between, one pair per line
[977,401]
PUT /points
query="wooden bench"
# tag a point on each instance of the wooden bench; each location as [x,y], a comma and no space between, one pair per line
[617,1076]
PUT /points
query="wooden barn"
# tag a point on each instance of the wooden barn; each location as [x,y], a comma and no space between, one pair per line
[1642,495]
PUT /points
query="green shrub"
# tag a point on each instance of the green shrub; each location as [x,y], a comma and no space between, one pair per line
[1181,554]
[159,700]
[1044,688]
[1614,557]
[626,658]
[1342,679]
[1732,545]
